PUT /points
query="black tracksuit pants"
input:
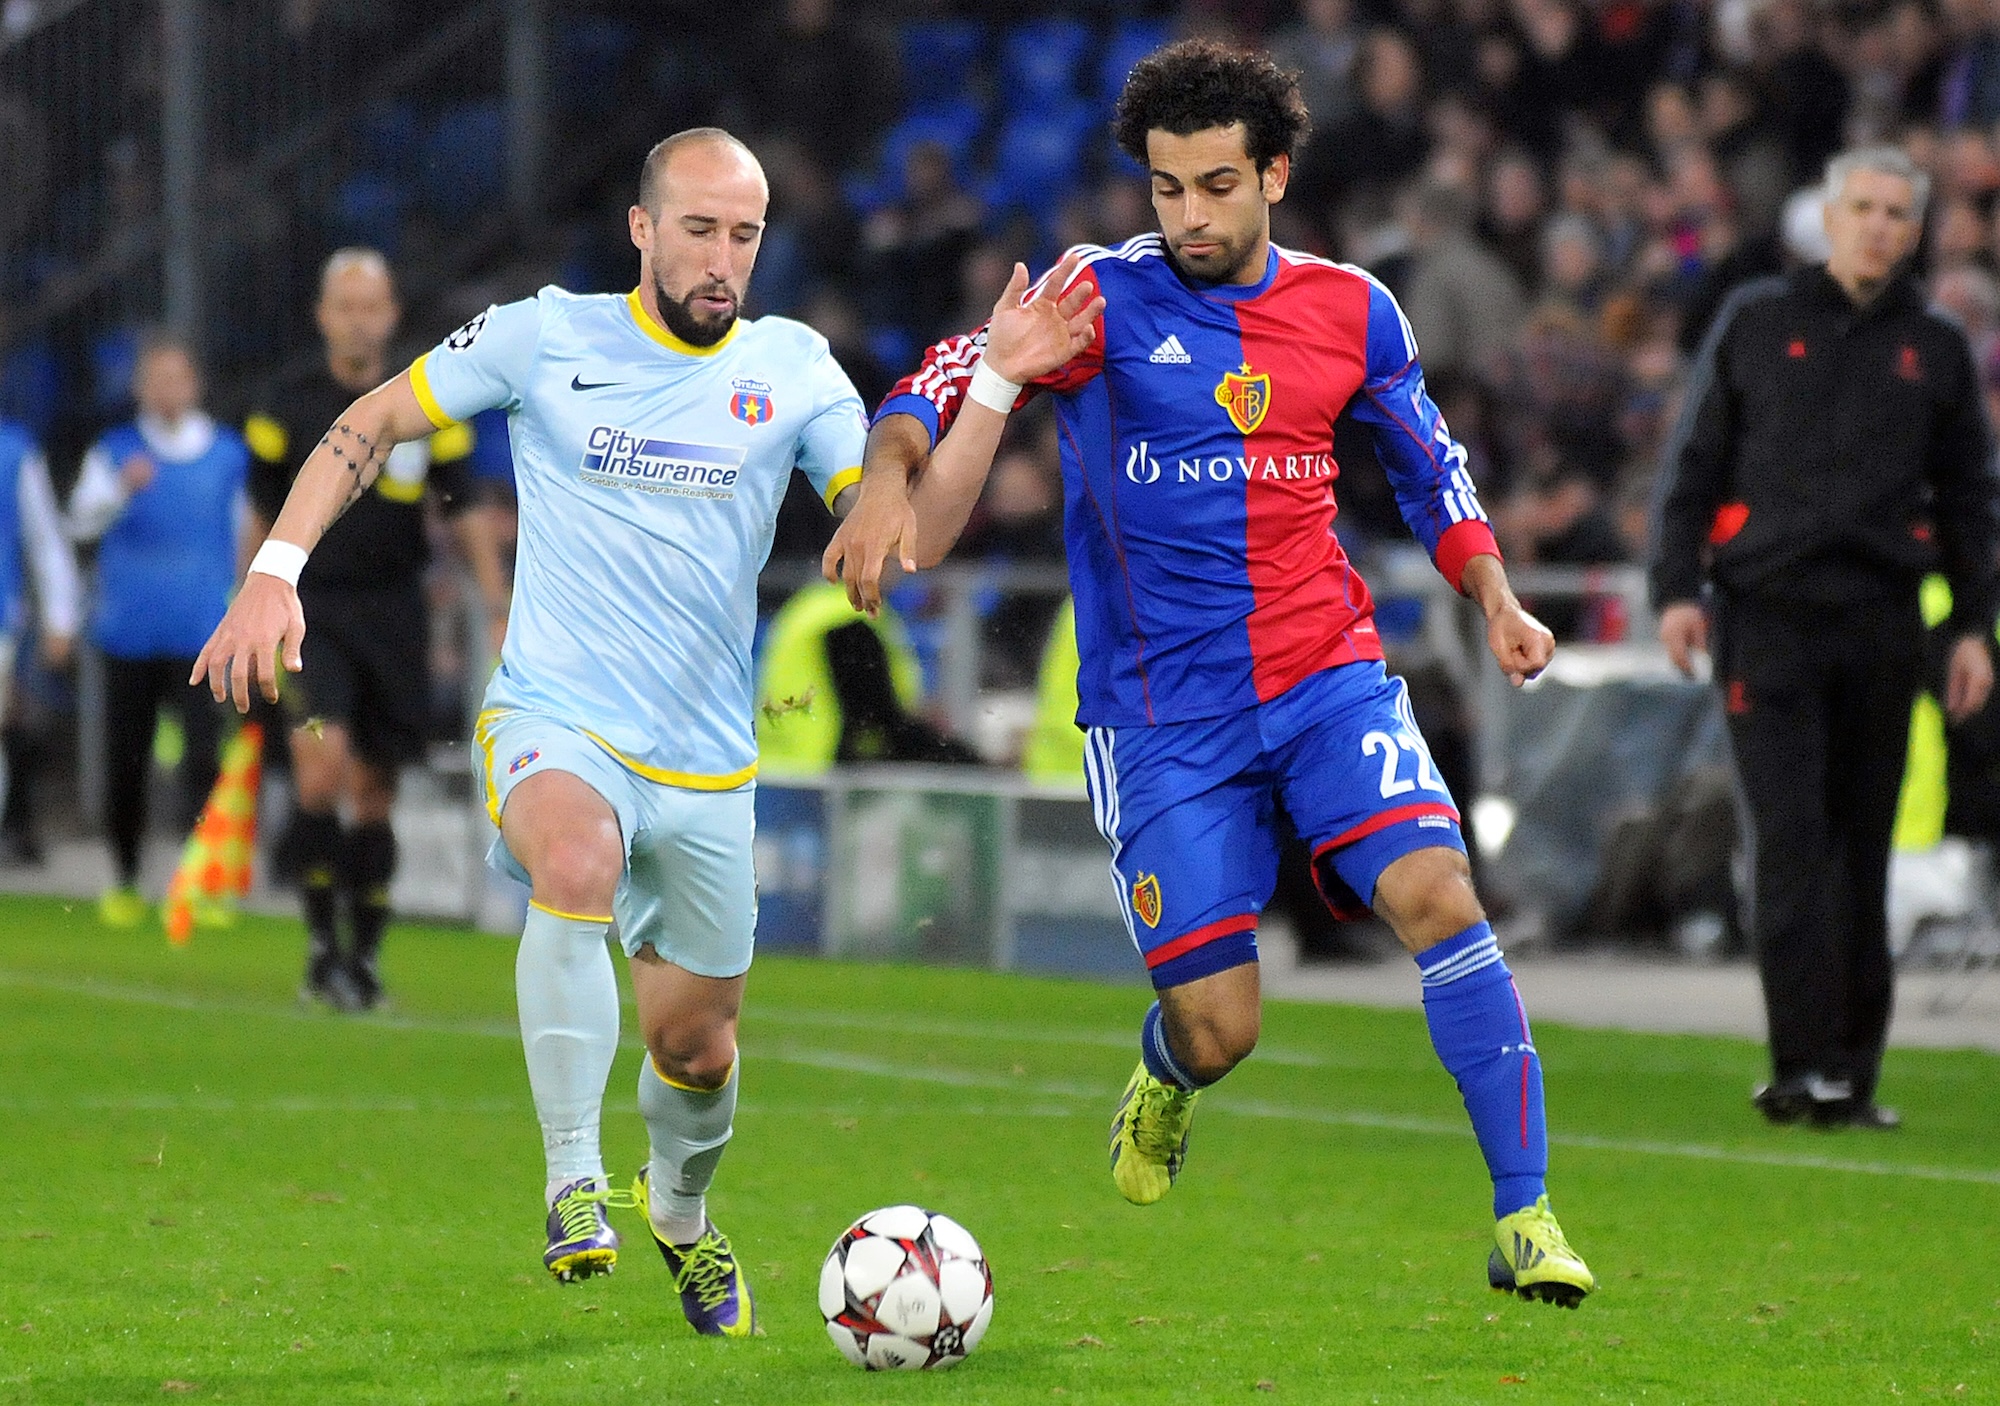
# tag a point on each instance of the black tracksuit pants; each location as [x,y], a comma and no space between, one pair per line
[1818,700]
[134,692]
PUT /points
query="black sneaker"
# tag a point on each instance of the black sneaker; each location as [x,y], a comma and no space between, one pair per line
[1811,1096]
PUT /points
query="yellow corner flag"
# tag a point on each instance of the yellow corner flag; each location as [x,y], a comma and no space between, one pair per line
[215,867]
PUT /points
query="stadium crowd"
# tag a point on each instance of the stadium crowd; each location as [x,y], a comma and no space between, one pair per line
[1560,193]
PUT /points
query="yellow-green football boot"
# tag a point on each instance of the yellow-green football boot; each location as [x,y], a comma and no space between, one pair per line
[715,1297]
[1149,1137]
[1532,1258]
[121,907]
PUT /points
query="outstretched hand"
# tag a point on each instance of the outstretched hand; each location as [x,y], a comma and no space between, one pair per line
[1025,340]
[244,651]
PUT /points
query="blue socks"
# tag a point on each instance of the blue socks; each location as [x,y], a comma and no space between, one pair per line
[1158,1054]
[1480,1032]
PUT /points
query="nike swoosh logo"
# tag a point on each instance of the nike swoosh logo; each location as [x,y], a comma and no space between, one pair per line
[577,383]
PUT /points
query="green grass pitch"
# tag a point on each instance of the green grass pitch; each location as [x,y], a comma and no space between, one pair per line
[212,1195]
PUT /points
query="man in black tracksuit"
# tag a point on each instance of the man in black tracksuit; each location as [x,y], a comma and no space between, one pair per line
[1832,449]
[361,707]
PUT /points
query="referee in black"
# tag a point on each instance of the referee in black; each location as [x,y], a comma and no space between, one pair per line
[1832,449]
[360,708]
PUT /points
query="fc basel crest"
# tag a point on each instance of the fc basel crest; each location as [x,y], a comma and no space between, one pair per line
[1146,899]
[1245,397]
[751,402]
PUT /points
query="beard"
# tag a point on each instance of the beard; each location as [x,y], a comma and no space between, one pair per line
[1225,265]
[680,317]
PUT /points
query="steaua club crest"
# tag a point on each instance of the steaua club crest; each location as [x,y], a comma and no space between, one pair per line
[751,402]
[1245,397]
[1146,899]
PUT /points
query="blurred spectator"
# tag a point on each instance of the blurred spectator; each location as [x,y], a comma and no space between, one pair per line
[1325,48]
[166,498]
[1379,142]
[915,246]
[1514,208]
[830,81]
[1464,304]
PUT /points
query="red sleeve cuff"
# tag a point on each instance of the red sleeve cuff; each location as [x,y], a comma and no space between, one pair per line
[1463,541]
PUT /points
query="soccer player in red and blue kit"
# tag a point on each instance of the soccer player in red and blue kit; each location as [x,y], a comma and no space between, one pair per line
[1229,657]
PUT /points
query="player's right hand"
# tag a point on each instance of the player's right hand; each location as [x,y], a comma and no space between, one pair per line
[1025,340]
[882,522]
[264,623]
[1684,630]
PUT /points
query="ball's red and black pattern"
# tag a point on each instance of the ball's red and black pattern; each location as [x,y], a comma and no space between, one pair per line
[904,1288]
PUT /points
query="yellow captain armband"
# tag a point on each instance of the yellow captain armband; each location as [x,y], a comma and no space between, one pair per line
[420,383]
[267,438]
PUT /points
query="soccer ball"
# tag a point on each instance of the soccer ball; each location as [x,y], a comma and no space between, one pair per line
[903,1288]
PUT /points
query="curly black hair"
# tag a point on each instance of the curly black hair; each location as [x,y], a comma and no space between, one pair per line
[1196,84]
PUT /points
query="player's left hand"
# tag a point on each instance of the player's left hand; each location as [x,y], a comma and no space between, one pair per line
[1521,644]
[1029,339]
[1968,678]
[264,624]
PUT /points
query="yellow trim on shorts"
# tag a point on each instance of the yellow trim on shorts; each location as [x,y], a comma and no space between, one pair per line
[484,738]
[573,917]
[669,340]
[841,482]
[420,382]
[686,780]
[690,1088]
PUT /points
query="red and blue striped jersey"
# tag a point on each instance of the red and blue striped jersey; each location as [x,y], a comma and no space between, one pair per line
[1198,471]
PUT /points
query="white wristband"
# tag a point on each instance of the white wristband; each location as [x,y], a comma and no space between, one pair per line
[992,390]
[284,560]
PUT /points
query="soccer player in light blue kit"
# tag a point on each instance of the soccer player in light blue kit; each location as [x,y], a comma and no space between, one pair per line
[653,436]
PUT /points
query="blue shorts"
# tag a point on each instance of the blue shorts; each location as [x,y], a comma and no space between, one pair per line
[689,890]
[1190,812]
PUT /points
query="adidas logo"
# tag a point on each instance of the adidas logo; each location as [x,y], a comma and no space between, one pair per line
[1171,353]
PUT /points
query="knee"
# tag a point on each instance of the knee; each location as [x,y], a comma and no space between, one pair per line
[1211,1042]
[693,1060]
[1427,897]
[579,873]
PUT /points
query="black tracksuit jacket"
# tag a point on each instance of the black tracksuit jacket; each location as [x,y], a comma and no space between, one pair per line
[1829,455]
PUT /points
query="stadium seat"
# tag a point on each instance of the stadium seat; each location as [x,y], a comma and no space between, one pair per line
[465,157]
[1040,159]
[31,385]
[114,356]
[589,51]
[368,210]
[1039,61]
[954,125]
[385,138]
[1130,42]
[939,57]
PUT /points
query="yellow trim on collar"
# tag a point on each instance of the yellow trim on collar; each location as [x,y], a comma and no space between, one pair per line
[667,339]
[686,780]
[420,382]
[840,483]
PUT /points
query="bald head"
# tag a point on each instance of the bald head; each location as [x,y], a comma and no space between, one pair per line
[697,227]
[357,315]
[699,153]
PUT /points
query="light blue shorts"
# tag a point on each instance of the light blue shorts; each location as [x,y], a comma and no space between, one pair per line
[689,890]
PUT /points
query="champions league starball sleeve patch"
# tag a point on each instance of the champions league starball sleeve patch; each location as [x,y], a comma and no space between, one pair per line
[465,336]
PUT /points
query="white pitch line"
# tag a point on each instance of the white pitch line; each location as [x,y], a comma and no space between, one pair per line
[840,1061]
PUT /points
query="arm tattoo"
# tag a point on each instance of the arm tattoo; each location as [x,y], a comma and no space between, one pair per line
[358,454]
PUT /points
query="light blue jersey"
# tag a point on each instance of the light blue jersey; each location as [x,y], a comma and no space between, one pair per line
[650,473]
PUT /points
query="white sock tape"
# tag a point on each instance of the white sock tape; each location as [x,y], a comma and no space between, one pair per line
[284,560]
[992,390]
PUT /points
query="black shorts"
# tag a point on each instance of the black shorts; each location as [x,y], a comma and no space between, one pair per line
[367,667]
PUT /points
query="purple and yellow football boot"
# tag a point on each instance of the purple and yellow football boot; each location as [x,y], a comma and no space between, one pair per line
[581,1241]
[715,1296]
